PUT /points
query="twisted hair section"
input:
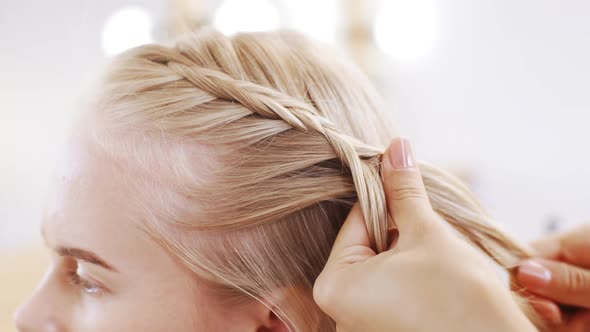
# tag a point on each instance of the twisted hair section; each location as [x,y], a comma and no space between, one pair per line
[240,113]
[297,137]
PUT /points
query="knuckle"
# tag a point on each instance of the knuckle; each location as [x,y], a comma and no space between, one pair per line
[574,280]
[324,292]
[407,192]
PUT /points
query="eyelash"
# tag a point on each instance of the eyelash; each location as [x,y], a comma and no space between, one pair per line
[84,285]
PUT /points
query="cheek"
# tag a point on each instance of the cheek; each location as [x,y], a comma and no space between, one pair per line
[147,315]
[185,309]
[145,308]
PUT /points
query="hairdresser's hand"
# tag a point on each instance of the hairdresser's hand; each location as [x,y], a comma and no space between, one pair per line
[430,281]
[561,276]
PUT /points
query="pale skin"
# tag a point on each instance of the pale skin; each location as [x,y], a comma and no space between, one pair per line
[429,280]
[376,284]
[561,277]
[107,275]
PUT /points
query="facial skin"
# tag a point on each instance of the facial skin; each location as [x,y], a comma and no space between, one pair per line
[108,275]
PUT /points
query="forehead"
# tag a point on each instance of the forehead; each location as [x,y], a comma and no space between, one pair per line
[89,201]
[115,170]
[103,192]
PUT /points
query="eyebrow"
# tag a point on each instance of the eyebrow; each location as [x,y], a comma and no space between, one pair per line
[81,254]
[85,255]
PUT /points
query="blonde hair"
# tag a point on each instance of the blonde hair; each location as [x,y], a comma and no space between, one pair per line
[265,141]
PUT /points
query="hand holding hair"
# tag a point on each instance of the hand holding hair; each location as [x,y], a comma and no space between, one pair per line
[429,279]
[561,276]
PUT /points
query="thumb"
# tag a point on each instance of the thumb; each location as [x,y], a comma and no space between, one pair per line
[572,247]
[407,200]
[557,281]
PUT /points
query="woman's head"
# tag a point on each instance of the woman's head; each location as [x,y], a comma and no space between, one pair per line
[214,174]
[232,161]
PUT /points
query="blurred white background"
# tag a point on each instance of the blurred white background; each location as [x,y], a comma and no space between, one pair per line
[496,90]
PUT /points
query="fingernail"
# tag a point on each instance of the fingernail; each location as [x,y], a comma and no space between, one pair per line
[400,154]
[536,275]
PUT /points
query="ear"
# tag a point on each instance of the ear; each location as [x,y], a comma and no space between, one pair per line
[265,317]
[270,322]
[262,318]
[251,316]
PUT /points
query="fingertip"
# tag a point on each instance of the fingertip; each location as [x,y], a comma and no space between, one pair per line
[533,275]
[399,155]
[548,310]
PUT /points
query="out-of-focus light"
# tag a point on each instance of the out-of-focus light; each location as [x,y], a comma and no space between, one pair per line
[126,28]
[406,29]
[246,16]
[316,19]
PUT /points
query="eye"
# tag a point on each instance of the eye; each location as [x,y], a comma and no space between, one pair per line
[85,285]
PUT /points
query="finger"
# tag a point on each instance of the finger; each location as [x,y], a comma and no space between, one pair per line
[579,322]
[548,309]
[407,200]
[561,282]
[548,247]
[575,246]
[572,247]
[352,243]
[576,250]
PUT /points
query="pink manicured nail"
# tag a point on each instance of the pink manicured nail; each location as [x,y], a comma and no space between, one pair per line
[534,274]
[400,154]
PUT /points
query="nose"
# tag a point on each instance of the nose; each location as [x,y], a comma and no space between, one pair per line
[20,321]
[23,325]
[37,313]
[25,320]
